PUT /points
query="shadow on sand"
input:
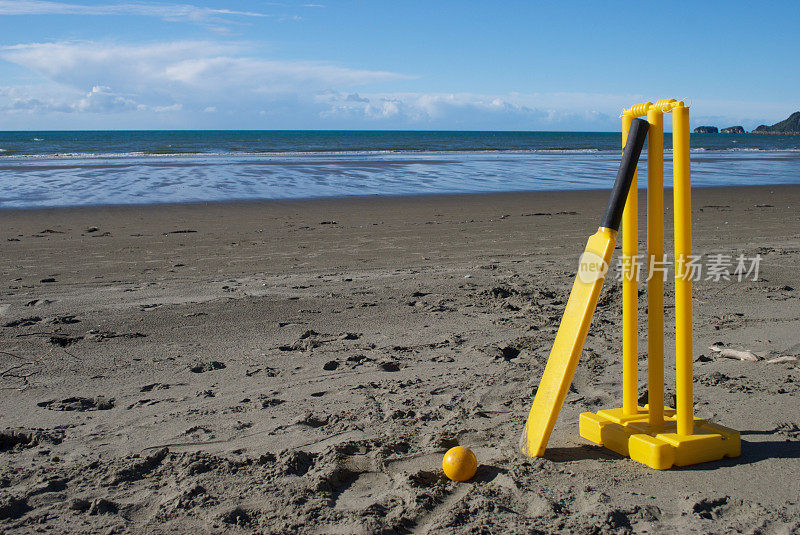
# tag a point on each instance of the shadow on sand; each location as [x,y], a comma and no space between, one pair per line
[579,453]
[752,452]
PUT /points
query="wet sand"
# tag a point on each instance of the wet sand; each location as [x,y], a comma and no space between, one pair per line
[302,366]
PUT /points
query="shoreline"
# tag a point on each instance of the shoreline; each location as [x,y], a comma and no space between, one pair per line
[310,155]
[377,197]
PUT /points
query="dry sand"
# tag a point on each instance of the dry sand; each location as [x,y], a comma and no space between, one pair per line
[285,367]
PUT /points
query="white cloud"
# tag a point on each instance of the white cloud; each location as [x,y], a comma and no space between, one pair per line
[99,100]
[183,83]
[186,68]
[525,111]
[102,99]
[36,105]
[166,78]
[205,77]
[169,12]
[355,97]
[37,99]
[165,109]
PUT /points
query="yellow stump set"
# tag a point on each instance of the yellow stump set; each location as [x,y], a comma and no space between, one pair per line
[659,436]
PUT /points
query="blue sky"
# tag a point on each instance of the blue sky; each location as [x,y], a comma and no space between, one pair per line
[458,65]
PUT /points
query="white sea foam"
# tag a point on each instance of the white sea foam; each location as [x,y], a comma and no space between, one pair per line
[353,153]
[283,154]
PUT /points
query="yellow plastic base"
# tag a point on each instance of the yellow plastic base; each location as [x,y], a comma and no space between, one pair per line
[661,447]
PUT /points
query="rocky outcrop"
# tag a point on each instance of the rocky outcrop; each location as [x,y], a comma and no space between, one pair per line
[706,130]
[733,130]
[788,126]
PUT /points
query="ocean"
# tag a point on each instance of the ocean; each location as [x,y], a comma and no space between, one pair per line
[48,169]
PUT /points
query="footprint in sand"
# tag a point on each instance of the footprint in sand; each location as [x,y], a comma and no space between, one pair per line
[79,404]
[24,322]
[63,340]
[154,386]
[202,367]
[64,320]
[11,439]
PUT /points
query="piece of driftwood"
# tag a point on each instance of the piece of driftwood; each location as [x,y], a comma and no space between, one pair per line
[735,354]
[778,360]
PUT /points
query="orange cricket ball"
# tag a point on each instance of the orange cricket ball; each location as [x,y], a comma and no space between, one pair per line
[459,464]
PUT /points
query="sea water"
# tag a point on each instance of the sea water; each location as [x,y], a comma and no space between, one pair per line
[43,169]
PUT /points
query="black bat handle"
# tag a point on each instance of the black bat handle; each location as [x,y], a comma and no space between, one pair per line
[630,158]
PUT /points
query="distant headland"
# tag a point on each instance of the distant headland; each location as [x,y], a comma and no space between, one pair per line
[733,130]
[787,126]
[790,126]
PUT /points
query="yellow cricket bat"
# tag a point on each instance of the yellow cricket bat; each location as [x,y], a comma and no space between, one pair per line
[582,301]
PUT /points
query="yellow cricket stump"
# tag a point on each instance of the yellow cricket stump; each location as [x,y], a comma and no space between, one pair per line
[658,436]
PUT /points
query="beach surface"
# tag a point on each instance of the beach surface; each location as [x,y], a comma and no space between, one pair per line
[302,366]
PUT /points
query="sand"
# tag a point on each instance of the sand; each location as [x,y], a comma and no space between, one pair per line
[278,367]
